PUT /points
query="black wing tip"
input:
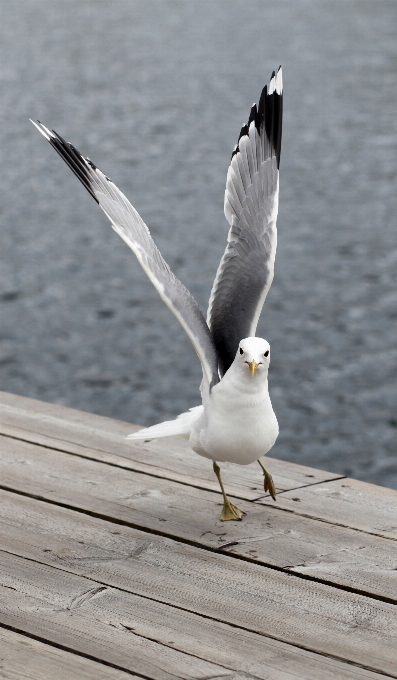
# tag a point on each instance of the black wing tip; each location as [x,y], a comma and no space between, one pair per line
[270,112]
[72,157]
[273,113]
[268,115]
[253,115]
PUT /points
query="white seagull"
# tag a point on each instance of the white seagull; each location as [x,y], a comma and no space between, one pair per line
[236,421]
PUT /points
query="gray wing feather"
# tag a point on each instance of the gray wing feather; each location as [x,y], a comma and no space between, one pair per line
[246,270]
[132,229]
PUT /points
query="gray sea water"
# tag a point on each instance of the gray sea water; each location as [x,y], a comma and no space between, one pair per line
[155,92]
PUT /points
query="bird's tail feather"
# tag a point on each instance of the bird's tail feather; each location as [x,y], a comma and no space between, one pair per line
[182,426]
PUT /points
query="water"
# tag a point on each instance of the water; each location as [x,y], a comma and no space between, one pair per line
[155,92]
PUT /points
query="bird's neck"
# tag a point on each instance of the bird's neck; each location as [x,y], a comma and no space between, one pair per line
[244,382]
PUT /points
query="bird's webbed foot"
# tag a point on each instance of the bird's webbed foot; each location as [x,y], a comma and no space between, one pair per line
[231,511]
[268,481]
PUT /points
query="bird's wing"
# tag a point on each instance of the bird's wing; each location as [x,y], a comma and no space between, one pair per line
[132,229]
[246,270]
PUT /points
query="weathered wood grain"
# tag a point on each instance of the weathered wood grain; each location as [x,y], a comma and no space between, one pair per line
[347,502]
[147,637]
[266,535]
[270,602]
[170,580]
[93,620]
[104,439]
[338,556]
[23,658]
[127,558]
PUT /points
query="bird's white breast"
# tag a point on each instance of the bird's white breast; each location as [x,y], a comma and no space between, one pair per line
[238,424]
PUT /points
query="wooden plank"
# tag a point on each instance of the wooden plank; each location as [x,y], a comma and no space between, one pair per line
[22,658]
[347,502]
[340,557]
[103,439]
[130,559]
[301,612]
[98,621]
[267,535]
[146,636]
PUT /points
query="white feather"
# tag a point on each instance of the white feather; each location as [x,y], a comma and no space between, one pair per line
[182,426]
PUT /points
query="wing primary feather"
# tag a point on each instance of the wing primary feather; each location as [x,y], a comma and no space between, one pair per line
[132,229]
[246,270]
[69,154]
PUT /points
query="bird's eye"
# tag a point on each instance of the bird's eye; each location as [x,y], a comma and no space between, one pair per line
[266,354]
[241,350]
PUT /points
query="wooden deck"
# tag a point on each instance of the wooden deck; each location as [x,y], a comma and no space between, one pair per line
[115,564]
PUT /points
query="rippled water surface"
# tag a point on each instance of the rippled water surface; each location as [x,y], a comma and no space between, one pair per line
[155,92]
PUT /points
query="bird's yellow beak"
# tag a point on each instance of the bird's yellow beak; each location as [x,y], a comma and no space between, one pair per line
[253,366]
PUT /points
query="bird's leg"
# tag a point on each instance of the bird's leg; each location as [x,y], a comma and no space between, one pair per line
[230,511]
[269,484]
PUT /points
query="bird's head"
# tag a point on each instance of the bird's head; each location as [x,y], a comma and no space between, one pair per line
[253,357]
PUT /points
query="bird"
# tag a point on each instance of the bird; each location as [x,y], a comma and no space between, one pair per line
[236,422]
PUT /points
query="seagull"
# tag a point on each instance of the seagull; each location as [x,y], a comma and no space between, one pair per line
[236,421]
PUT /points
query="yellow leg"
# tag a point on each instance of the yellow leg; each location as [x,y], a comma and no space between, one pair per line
[269,484]
[230,511]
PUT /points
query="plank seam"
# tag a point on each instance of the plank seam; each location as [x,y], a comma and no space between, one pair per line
[295,645]
[326,521]
[65,648]
[196,544]
[182,651]
[144,637]
[202,488]
[153,474]
[296,488]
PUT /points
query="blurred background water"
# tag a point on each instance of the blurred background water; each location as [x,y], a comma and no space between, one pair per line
[155,92]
